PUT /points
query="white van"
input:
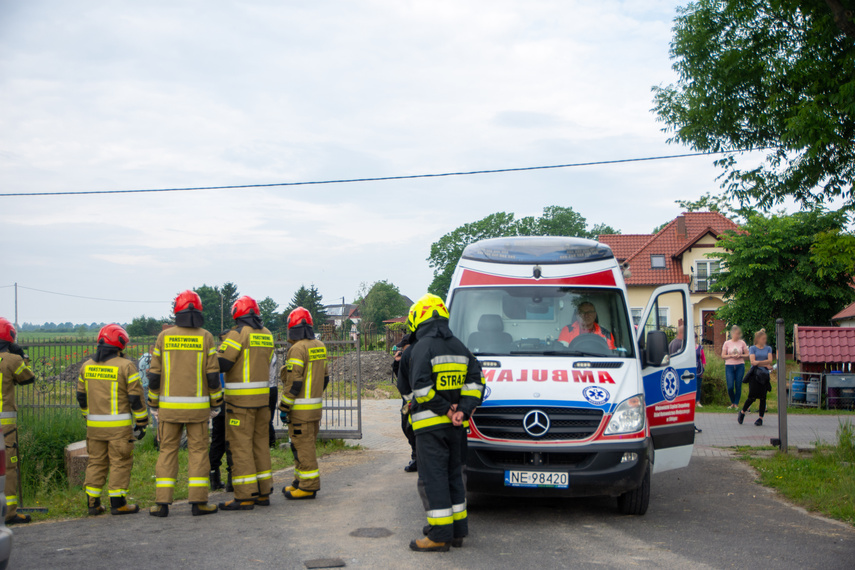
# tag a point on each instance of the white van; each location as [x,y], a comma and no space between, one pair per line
[579,399]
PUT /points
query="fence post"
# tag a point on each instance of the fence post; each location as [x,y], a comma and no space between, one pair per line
[781,339]
[358,386]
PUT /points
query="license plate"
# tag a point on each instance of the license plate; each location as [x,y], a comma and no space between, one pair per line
[552,479]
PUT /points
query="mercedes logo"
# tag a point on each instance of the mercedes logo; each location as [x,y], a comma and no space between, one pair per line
[536,423]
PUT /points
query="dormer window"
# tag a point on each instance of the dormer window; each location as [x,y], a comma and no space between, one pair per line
[657,261]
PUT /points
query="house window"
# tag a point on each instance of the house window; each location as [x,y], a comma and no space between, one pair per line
[663,317]
[636,315]
[657,262]
[706,273]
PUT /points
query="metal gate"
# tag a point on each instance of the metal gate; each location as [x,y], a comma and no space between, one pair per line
[342,414]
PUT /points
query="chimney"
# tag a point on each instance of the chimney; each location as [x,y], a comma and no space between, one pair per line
[681,228]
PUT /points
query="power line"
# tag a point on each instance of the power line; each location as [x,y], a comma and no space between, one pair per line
[90,298]
[6,286]
[379,178]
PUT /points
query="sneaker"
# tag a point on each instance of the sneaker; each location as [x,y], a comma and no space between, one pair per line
[759,422]
[740,417]
[699,405]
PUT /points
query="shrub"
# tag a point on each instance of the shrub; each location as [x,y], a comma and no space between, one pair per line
[714,380]
[42,439]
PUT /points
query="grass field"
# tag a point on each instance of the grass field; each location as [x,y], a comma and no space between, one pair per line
[824,482]
[70,502]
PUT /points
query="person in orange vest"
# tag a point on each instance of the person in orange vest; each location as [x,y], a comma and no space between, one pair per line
[14,370]
[184,388]
[110,394]
[586,323]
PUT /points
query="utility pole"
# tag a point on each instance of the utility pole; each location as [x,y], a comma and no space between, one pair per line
[221,312]
[781,338]
[16,307]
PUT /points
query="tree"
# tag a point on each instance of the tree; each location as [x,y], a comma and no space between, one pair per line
[772,271]
[217,306]
[268,313]
[383,301]
[771,75]
[310,299]
[145,326]
[555,221]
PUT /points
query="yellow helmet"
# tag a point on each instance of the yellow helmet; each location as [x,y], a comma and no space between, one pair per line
[426,308]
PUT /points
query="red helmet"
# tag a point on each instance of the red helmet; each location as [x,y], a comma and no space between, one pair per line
[244,306]
[187,300]
[7,331]
[299,316]
[114,335]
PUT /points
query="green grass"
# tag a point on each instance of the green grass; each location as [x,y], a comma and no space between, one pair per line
[823,483]
[65,502]
[387,390]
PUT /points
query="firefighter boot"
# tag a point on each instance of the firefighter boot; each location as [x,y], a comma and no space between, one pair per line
[236,505]
[159,510]
[95,507]
[291,487]
[216,482]
[262,500]
[455,542]
[299,494]
[200,509]
[229,487]
[120,506]
[427,545]
[18,519]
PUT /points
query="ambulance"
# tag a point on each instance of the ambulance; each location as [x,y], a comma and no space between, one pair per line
[583,396]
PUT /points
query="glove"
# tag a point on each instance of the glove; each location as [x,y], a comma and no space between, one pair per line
[139,432]
[283,416]
[216,411]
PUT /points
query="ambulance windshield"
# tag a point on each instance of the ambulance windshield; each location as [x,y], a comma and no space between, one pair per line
[542,320]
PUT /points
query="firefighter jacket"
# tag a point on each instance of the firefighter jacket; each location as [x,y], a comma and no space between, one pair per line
[13,370]
[245,356]
[111,397]
[304,379]
[184,378]
[442,372]
[403,375]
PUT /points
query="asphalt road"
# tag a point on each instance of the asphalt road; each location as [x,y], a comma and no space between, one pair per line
[710,515]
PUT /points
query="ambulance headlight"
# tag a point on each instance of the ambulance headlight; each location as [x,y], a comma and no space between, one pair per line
[628,417]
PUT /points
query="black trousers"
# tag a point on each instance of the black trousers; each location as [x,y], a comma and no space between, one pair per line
[218,443]
[272,403]
[408,433]
[440,457]
[751,400]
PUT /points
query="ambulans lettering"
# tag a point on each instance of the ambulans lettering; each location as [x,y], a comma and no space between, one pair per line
[540,375]
[182,343]
[110,373]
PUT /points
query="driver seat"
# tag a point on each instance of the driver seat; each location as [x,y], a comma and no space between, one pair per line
[491,336]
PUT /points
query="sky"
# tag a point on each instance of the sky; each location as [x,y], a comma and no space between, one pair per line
[106,95]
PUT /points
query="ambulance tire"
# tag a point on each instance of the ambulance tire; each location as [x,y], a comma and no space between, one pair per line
[635,502]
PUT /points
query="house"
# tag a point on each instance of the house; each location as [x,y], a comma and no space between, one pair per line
[338,314]
[845,318]
[677,253]
[823,349]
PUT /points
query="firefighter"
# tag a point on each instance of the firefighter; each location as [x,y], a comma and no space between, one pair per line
[110,394]
[14,369]
[184,389]
[403,382]
[447,386]
[244,357]
[304,379]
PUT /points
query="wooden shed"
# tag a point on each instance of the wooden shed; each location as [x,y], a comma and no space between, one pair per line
[825,349]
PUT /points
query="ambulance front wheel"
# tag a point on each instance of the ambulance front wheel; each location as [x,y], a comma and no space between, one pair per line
[635,502]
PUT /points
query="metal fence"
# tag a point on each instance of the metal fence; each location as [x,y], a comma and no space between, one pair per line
[56,364]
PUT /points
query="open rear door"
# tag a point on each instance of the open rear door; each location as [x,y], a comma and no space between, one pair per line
[670,383]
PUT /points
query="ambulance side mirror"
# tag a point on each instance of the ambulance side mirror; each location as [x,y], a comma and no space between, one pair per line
[656,349]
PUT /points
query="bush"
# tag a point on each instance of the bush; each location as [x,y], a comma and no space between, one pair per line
[42,439]
[714,380]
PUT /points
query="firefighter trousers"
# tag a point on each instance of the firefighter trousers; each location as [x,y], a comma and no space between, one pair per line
[11,436]
[303,436]
[115,456]
[247,440]
[198,466]
[440,457]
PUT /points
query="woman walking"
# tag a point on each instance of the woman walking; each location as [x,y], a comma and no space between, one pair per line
[759,382]
[734,351]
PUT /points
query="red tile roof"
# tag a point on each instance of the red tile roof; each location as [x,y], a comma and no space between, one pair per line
[638,249]
[847,313]
[825,344]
